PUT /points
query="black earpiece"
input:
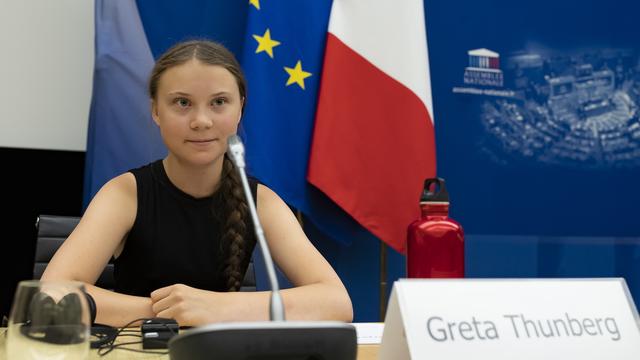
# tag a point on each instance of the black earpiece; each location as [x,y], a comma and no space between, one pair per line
[61,322]
[41,309]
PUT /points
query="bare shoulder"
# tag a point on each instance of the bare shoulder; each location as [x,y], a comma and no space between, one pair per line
[124,184]
[266,195]
[274,213]
[117,200]
[270,204]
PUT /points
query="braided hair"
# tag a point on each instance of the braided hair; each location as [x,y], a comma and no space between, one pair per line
[235,228]
[235,209]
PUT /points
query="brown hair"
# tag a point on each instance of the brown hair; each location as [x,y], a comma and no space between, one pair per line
[205,51]
[235,209]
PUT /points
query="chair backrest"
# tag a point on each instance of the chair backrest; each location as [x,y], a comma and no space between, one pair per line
[249,282]
[53,230]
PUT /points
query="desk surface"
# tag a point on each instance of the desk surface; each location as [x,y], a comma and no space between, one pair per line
[365,352]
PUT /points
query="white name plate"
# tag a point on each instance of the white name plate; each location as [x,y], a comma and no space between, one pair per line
[511,319]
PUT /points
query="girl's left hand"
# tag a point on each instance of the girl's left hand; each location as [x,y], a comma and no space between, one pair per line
[188,306]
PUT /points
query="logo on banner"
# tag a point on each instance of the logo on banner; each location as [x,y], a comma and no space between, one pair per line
[483,76]
[576,109]
[483,69]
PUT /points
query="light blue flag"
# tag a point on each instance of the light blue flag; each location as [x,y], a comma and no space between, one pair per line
[121,133]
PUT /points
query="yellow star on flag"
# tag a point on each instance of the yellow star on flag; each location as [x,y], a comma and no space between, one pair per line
[255,3]
[265,43]
[297,75]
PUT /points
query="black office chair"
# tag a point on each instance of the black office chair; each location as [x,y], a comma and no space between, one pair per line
[53,230]
[249,281]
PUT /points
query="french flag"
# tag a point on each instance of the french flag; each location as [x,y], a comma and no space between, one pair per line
[373,142]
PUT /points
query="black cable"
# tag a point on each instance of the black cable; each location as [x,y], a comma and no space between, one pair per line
[108,346]
[119,347]
[109,343]
[92,307]
[131,323]
[102,334]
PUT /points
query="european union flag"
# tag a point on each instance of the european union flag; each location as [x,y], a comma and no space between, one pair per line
[282,59]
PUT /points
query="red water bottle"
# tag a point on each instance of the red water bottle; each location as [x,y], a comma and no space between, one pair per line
[435,243]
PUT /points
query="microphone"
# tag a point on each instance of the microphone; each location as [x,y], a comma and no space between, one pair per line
[236,151]
[275,339]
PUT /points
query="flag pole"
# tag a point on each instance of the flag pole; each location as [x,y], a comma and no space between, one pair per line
[383,279]
[299,217]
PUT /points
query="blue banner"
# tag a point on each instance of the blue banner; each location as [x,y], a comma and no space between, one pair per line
[547,142]
[538,133]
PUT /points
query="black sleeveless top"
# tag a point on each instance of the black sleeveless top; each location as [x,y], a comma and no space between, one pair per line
[175,238]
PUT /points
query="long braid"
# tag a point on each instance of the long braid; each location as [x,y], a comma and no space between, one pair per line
[235,229]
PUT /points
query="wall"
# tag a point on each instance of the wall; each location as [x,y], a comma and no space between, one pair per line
[46,69]
[46,73]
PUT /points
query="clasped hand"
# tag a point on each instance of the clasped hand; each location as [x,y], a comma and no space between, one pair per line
[187,305]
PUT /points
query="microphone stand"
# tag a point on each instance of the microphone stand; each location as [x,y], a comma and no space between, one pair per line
[276,306]
[275,339]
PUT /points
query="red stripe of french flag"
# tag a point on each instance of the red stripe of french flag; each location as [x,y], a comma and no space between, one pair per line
[373,142]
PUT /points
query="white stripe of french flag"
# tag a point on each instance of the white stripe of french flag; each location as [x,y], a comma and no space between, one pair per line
[373,142]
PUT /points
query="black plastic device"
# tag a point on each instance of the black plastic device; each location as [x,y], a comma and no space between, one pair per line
[156,332]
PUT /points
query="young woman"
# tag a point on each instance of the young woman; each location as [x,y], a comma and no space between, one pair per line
[179,228]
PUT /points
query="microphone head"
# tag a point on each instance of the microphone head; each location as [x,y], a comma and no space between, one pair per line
[236,150]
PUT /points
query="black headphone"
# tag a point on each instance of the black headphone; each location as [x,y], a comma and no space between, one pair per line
[58,323]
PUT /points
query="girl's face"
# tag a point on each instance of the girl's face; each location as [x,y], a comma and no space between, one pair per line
[197,107]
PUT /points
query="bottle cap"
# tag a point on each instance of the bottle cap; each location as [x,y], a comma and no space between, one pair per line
[439,192]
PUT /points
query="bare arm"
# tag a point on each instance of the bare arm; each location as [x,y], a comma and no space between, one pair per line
[99,235]
[318,294]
